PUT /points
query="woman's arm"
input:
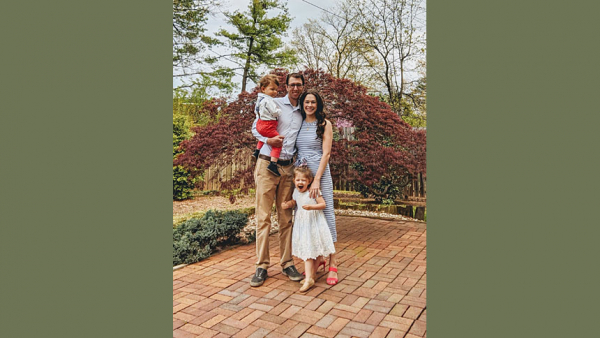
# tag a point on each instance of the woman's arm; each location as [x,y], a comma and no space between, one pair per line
[319,206]
[327,141]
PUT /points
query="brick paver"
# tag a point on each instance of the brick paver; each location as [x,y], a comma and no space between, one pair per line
[381,291]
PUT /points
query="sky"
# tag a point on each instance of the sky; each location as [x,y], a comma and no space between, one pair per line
[298,9]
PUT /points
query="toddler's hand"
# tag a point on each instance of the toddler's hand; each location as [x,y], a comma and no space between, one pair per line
[307,207]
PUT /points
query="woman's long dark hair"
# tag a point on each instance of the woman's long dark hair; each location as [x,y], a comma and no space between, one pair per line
[319,113]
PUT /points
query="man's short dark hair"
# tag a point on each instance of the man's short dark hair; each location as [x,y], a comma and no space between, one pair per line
[295,75]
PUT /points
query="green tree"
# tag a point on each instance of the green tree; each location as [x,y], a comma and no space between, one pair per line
[190,100]
[333,44]
[191,45]
[257,40]
[189,38]
[181,131]
[395,32]
[415,104]
[183,184]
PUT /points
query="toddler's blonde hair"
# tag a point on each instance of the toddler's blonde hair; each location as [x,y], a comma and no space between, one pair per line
[267,80]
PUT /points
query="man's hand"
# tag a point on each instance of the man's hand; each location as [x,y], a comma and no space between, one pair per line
[276,141]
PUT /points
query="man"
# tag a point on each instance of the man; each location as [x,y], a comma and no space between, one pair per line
[271,188]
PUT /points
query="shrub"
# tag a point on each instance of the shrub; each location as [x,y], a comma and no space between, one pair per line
[196,238]
[183,184]
[379,134]
[181,131]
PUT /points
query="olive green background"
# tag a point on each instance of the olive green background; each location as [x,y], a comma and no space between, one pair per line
[86,172]
[512,160]
[512,169]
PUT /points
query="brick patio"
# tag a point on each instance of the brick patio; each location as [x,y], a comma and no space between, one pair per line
[381,293]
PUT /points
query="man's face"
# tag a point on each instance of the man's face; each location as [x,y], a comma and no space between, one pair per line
[294,87]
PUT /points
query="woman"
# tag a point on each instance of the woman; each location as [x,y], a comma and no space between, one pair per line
[314,146]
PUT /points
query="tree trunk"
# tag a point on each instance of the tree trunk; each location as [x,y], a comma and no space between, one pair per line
[420,213]
[247,66]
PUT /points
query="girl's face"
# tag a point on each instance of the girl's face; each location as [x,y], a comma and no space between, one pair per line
[270,90]
[301,182]
[310,104]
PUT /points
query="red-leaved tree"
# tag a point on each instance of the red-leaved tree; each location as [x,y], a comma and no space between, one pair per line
[383,153]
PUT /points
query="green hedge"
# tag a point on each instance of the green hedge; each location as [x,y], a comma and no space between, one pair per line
[183,184]
[196,238]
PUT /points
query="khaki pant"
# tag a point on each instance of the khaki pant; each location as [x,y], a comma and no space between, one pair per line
[271,188]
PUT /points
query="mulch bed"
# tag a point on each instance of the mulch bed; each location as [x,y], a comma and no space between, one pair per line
[205,203]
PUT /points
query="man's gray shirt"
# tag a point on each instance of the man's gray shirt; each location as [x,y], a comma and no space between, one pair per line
[289,124]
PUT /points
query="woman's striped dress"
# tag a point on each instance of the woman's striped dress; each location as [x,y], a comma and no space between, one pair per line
[311,148]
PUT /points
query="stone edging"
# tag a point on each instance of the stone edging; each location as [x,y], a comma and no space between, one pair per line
[177,267]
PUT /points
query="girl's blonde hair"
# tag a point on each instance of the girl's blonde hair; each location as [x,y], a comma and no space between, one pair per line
[303,169]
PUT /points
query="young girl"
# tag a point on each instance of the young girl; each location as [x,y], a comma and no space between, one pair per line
[310,235]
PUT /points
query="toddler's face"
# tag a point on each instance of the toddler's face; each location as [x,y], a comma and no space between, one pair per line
[270,90]
[301,182]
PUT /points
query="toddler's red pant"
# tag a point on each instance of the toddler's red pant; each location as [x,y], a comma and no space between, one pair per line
[268,129]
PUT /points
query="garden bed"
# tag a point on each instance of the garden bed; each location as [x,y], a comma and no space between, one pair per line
[411,209]
[343,200]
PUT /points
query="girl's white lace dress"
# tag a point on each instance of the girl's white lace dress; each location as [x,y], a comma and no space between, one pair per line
[311,237]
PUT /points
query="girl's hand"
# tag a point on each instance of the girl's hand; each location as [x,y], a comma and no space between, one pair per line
[314,189]
[288,205]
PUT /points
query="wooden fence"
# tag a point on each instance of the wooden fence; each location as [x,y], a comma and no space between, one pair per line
[414,191]
[213,176]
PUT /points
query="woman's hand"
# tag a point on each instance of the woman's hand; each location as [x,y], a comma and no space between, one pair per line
[314,189]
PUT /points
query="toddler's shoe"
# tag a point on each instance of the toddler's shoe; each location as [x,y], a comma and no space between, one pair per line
[273,168]
[256,152]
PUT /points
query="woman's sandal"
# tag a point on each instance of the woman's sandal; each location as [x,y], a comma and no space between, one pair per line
[332,280]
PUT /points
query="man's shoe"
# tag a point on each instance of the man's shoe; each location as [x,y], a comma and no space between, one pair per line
[259,277]
[292,273]
[272,167]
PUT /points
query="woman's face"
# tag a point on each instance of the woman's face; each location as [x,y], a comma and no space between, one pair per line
[310,104]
